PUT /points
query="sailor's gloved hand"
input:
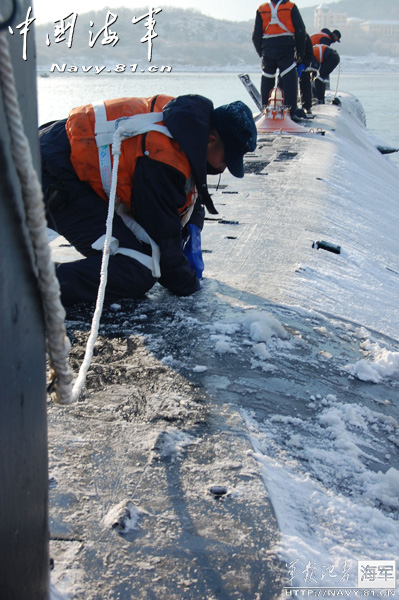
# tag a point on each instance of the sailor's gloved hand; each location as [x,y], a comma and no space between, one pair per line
[192,249]
[300,68]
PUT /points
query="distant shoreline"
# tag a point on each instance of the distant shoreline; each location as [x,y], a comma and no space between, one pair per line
[349,64]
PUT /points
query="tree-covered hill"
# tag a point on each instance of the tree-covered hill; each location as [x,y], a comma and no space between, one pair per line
[185,38]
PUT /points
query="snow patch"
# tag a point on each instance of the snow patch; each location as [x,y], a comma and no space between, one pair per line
[123,517]
[172,443]
[261,351]
[262,327]
[332,509]
[57,594]
[223,346]
[200,369]
[383,364]
[265,332]
[384,487]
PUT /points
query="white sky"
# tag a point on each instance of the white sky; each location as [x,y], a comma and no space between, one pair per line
[48,10]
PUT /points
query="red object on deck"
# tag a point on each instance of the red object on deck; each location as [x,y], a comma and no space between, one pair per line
[276,116]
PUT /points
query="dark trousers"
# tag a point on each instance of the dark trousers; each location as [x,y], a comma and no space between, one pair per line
[281,58]
[305,86]
[75,211]
[330,61]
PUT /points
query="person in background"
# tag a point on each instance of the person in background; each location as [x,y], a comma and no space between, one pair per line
[279,39]
[327,37]
[170,146]
[327,59]
[305,70]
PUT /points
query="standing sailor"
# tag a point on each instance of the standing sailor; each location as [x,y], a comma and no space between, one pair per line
[279,34]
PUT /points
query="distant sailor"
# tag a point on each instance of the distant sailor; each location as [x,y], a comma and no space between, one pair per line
[279,38]
[305,70]
[170,145]
[327,59]
[327,37]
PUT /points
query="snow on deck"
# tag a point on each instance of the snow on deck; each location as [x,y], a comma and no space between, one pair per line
[335,187]
[276,386]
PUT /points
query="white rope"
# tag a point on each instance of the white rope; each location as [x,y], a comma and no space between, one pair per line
[54,314]
[81,379]
[58,344]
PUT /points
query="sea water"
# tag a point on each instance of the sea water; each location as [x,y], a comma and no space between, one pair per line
[60,92]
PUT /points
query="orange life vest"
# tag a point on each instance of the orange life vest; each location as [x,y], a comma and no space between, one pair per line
[281,24]
[316,37]
[80,129]
[318,52]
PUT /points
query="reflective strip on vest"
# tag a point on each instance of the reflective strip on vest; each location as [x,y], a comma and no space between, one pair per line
[318,48]
[274,20]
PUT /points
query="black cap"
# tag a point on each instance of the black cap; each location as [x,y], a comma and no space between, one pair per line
[338,34]
[236,126]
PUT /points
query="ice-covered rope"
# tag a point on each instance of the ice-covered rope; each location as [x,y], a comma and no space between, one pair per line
[80,381]
[58,344]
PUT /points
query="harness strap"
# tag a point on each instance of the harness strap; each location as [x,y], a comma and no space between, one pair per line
[128,126]
[274,35]
[269,75]
[143,236]
[104,151]
[293,66]
[104,134]
[151,262]
[319,49]
[273,75]
[115,249]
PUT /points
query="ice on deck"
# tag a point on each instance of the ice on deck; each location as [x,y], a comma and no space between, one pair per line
[278,381]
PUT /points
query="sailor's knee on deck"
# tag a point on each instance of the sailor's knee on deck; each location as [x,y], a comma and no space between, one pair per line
[79,280]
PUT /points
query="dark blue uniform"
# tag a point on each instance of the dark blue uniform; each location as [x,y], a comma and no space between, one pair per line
[76,211]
